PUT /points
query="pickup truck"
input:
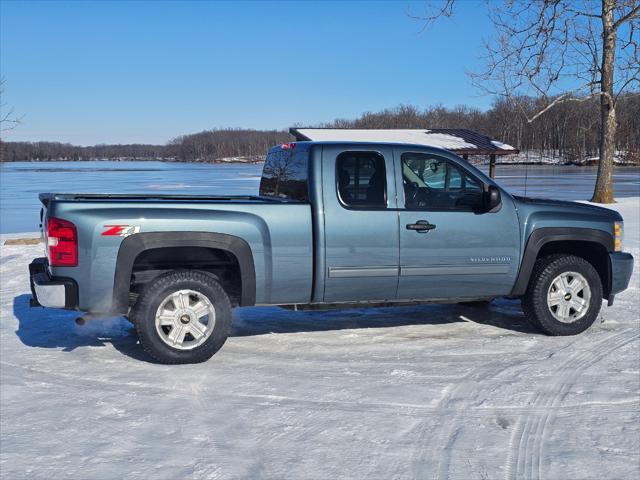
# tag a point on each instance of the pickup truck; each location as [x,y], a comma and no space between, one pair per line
[335,223]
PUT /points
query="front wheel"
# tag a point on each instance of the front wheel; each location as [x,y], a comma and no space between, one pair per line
[564,295]
[182,317]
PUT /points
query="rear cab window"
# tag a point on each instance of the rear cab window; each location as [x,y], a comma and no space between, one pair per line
[285,173]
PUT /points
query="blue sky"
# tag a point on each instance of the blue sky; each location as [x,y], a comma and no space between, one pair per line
[121,72]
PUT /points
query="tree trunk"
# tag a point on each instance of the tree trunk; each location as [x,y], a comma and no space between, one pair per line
[603,192]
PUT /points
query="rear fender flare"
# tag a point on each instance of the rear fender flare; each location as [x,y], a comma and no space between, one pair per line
[134,245]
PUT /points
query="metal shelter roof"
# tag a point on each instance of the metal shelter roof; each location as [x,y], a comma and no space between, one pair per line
[457,140]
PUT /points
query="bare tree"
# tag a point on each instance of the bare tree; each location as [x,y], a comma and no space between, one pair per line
[8,119]
[562,51]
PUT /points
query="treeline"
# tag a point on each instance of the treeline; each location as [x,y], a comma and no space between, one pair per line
[208,146]
[569,132]
[47,151]
[225,145]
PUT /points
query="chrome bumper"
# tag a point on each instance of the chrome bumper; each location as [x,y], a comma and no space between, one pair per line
[50,291]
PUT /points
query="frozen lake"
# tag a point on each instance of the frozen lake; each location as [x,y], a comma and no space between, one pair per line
[22,181]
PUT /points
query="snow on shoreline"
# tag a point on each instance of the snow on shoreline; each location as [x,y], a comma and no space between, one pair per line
[409,392]
[534,157]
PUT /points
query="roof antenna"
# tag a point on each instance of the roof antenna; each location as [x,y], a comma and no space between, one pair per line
[526,174]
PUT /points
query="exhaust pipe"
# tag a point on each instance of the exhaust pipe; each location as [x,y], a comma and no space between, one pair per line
[81,321]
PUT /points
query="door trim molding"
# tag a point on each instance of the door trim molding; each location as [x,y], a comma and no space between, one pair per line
[371,271]
[496,269]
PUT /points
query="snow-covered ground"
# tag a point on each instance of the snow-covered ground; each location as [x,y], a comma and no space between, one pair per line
[411,392]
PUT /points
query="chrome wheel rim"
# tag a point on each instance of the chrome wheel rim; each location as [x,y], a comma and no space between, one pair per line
[185,319]
[568,297]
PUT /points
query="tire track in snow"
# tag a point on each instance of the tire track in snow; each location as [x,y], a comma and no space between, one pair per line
[443,453]
[529,433]
[549,415]
[476,389]
[450,409]
[520,433]
[528,438]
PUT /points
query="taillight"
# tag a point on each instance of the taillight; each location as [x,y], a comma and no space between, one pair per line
[62,242]
[288,146]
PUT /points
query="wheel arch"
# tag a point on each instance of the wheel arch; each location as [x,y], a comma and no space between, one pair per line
[133,246]
[591,244]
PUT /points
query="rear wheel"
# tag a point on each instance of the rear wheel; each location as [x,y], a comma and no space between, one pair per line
[564,295]
[182,317]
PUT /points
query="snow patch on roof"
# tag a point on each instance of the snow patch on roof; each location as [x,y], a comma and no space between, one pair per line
[503,146]
[413,136]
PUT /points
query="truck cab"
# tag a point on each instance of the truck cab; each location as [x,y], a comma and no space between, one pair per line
[412,223]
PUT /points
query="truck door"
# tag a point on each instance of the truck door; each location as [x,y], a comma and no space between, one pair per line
[360,223]
[449,247]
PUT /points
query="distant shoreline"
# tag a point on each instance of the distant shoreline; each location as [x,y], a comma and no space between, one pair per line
[240,161]
[124,160]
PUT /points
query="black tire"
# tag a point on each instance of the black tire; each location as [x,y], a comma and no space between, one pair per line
[144,311]
[534,301]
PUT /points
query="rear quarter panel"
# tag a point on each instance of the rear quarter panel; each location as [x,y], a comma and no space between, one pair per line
[279,235]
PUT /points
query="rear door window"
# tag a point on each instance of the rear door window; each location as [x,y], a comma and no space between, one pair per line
[361,180]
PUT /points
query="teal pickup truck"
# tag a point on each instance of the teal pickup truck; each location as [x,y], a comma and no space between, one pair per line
[335,223]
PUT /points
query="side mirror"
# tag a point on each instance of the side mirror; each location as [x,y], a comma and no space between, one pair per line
[492,198]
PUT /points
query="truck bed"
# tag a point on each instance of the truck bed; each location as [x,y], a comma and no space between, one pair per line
[278,232]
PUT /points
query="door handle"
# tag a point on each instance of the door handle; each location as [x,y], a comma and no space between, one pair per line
[421,226]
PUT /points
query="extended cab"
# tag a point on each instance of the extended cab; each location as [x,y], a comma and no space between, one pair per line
[334,223]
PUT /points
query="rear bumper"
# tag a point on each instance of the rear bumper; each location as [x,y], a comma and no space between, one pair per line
[621,270]
[48,291]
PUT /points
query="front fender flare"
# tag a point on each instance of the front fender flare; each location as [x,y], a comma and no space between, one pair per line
[542,236]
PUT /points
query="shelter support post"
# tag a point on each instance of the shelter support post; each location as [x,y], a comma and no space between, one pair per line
[492,166]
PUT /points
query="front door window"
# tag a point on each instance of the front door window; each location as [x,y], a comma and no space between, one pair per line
[432,182]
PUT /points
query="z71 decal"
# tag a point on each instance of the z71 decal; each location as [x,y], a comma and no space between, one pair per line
[120,230]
